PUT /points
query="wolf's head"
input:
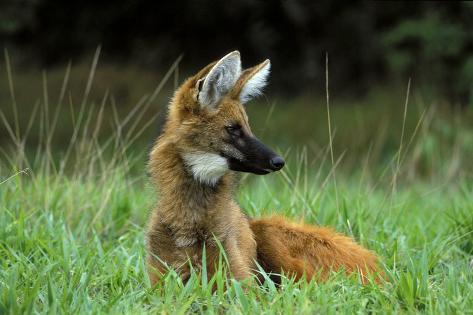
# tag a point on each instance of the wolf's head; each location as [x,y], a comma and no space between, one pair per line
[208,124]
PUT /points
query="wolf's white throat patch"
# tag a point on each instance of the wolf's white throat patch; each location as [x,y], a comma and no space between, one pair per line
[207,168]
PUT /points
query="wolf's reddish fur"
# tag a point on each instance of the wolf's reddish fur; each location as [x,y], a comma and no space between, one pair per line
[193,211]
[299,249]
[189,213]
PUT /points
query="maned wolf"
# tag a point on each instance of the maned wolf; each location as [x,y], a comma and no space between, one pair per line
[205,139]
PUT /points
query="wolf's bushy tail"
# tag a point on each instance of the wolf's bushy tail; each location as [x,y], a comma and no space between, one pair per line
[299,249]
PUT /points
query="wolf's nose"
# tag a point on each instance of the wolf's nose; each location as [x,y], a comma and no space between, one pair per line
[277,163]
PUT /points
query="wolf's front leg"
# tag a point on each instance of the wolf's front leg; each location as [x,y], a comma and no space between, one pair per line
[240,266]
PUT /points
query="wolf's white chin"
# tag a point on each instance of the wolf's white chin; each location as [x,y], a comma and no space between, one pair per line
[207,168]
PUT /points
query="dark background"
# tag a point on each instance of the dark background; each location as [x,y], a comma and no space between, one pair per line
[368,42]
[50,86]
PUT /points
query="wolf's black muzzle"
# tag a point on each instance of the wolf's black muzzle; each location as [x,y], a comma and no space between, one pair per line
[257,157]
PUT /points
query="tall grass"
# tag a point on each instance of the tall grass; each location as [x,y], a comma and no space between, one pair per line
[72,218]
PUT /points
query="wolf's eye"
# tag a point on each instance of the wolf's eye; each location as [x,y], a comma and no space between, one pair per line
[234,130]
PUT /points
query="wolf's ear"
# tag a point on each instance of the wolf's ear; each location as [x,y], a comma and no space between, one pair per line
[251,82]
[220,79]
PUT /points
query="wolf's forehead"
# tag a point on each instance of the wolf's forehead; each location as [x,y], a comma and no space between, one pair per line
[236,112]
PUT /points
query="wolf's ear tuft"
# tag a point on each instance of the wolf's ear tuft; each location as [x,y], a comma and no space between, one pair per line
[220,79]
[252,81]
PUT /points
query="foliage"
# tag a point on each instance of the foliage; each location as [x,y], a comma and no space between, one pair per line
[435,48]
[76,245]
[367,42]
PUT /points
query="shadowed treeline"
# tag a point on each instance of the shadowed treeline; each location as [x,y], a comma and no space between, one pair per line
[368,42]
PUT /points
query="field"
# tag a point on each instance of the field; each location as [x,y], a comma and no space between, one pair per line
[396,176]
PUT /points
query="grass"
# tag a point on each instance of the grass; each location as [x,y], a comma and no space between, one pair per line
[72,220]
